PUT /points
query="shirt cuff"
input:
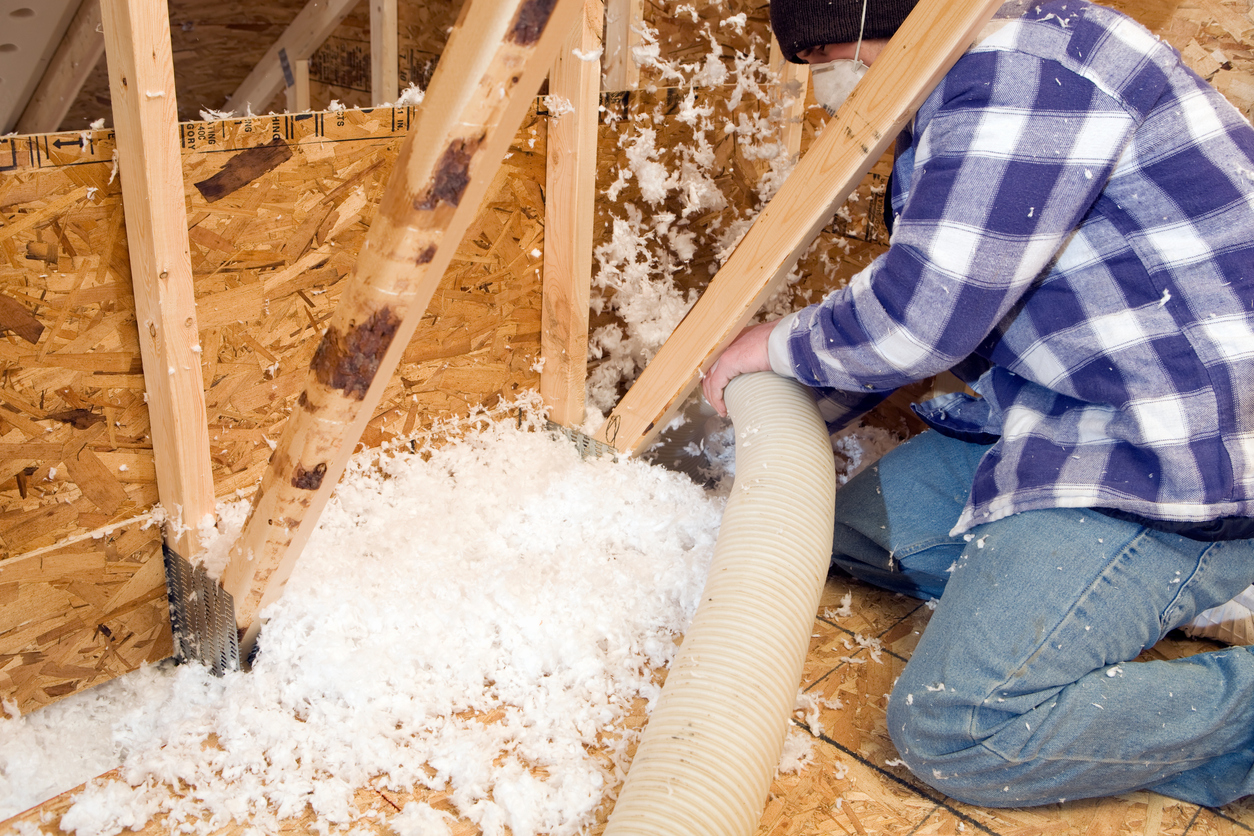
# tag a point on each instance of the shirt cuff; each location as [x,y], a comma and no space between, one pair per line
[777,347]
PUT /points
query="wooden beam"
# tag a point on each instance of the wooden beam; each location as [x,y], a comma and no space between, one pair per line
[496,58]
[384,52]
[300,40]
[789,96]
[623,19]
[570,198]
[298,90]
[77,55]
[911,65]
[145,118]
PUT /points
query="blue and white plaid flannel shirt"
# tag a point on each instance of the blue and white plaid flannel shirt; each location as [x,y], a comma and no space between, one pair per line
[1074,235]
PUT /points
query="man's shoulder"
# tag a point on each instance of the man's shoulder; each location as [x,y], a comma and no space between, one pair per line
[1076,31]
[1106,47]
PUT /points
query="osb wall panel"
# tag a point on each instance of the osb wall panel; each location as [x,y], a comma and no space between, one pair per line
[851,241]
[689,30]
[81,614]
[277,210]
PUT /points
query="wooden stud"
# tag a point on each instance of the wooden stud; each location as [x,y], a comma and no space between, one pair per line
[384,52]
[496,58]
[569,204]
[914,61]
[299,41]
[623,19]
[77,55]
[145,117]
[298,91]
[790,96]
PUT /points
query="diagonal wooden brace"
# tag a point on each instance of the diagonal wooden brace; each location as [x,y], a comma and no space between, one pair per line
[496,57]
[76,57]
[911,65]
[302,38]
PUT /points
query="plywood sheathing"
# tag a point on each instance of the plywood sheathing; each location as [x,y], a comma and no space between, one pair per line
[854,784]
[274,229]
[81,614]
[271,236]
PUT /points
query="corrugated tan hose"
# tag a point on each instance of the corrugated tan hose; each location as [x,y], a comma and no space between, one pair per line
[708,754]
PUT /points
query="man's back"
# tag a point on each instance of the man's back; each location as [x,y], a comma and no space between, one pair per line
[1122,370]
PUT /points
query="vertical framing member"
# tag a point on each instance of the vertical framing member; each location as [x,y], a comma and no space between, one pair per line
[298,90]
[623,19]
[145,116]
[570,198]
[790,96]
[384,52]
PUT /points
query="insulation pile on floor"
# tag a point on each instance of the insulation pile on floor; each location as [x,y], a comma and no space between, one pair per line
[477,619]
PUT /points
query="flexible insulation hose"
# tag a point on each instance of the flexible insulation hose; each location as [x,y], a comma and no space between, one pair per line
[708,754]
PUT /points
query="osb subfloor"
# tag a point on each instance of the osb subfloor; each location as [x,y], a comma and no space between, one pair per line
[853,787]
[876,796]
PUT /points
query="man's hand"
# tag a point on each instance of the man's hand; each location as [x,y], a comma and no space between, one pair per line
[747,353]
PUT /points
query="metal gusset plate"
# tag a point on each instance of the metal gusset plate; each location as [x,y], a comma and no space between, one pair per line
[202,616]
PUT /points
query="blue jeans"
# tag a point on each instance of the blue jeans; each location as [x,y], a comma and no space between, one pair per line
[1022,690]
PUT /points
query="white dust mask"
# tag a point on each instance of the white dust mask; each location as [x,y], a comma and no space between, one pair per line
[833,81]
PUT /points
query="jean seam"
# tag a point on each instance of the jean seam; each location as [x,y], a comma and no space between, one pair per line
[983,744]
[921,546]
[1115,559]
[1165,624]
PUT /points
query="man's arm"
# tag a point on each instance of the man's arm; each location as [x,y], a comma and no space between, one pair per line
[998,183]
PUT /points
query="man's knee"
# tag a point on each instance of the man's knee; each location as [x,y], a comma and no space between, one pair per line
[927,726]
[932,725]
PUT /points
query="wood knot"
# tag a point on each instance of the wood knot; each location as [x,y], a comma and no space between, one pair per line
[531,20]
[452,175]
[309,480]
[348,362]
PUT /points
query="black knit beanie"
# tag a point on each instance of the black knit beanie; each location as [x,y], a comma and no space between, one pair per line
[801,24]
